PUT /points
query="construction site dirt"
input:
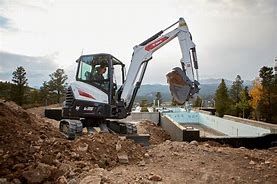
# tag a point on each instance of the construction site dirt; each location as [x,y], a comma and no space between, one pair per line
[32,150]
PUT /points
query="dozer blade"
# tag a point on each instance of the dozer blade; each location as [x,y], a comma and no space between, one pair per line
[180,85]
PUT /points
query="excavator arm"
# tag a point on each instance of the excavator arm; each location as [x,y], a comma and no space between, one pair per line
[181,91]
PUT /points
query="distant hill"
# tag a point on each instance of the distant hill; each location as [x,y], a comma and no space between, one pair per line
[228,82]
[208,88]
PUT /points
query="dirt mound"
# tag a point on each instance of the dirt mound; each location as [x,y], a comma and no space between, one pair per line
[182,162]
[40,110]
[157,134]
[33,151]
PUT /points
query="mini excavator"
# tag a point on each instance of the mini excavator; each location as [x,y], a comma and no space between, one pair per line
[92,102]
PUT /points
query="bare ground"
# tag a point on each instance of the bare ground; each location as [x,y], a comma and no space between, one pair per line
[33,151]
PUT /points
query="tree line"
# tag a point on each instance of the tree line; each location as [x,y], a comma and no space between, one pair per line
[51,91]
[259,102]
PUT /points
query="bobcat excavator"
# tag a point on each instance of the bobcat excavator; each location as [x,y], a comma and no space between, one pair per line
[95,102]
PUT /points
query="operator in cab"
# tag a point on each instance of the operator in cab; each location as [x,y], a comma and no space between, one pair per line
[99,74]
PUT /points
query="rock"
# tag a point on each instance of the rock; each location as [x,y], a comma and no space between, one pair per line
[40,141]
[73,181]
[3,180]
[37,147]
[38,174]
[6,156]
[257,181]
[141,163]
[81,164]
[62,180]
[74,155]
[155,178]
[86,168]
[219,150]
[122,138]
[123,158]
[83,147]
[18,166]
[175,153]
[90,180]
[16,181]
[118,146]
[267,162]
[207,145]
[146,155]
[59,155]
[251,162]
[194,143]
[56,162]
[65,168]
[71,173]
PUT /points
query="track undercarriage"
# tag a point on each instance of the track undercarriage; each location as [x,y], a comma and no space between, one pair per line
[72,128]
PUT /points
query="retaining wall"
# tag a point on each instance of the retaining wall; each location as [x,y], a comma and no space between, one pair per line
[152,116]
[271,127]
[172,128]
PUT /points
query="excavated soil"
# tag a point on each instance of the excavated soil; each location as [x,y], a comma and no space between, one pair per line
[157,134]
[33,151]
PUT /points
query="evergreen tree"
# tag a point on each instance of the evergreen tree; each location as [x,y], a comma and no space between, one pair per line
[5,90]
[235,93]
[266,105]
[46,96]
[221,99]
[57,83]
[244,103]
[20,80]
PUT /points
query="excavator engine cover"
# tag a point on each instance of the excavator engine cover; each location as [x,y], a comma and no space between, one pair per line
[179,85]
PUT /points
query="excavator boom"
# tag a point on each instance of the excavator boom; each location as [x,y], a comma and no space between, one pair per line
[181,92]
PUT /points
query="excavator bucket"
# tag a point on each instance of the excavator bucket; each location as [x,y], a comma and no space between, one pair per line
[180,85]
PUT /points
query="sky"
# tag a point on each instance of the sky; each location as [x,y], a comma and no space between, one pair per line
[232,37]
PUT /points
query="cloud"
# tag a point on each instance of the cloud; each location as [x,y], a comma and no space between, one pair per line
[4,22]
[228,34]
[232,37]
[37,68]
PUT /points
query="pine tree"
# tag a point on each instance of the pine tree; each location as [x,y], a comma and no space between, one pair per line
[19,78]
[235,93]
[244,103]
[266,105]
[221,99]
[57,83]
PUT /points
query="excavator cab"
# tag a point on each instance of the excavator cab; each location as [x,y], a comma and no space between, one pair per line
[102,71]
